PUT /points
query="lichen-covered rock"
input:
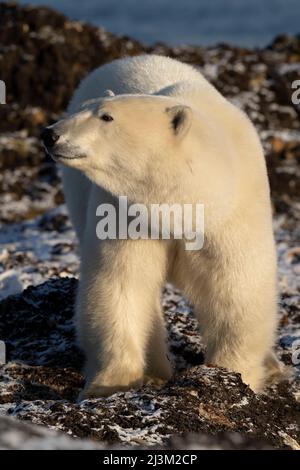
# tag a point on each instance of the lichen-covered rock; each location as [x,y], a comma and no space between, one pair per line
[53,54]
[18,435]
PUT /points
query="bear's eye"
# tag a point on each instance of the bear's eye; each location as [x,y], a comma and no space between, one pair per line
[106,118]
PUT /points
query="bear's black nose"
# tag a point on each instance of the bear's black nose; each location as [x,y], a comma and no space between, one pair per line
[49,137]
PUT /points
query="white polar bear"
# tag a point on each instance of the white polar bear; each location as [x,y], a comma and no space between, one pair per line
[168,136]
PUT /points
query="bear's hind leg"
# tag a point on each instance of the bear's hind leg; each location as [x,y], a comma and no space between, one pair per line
[239,340]
[236,303]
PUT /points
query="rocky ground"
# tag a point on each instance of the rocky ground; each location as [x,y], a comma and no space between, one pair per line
[43,55]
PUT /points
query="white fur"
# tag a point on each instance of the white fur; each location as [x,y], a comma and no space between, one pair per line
[215,158]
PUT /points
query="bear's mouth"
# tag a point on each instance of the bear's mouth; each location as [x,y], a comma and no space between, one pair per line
[57,155]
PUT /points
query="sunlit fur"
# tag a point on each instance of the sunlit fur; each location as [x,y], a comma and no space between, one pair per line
[214,158]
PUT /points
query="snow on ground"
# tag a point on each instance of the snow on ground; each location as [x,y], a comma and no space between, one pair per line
[35,250]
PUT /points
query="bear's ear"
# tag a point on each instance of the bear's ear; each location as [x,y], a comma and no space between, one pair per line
[181,119]
[109,93]
[87,102]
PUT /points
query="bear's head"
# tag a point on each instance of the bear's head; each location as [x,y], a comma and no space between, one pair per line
[128,144]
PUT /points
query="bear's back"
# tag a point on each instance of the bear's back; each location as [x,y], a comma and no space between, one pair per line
[145,74]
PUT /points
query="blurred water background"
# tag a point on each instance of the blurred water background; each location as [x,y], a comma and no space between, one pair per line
[240,22]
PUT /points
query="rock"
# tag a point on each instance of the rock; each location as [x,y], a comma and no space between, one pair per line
[221,441]
[17,435]
[52,54]
[287,44]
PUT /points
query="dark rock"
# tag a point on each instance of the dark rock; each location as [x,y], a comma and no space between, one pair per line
[44,55]
[18,435]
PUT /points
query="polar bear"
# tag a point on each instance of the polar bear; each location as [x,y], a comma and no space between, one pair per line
[166,135]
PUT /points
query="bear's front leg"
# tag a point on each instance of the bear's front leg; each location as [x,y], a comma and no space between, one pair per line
[116,306]
[158,366]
